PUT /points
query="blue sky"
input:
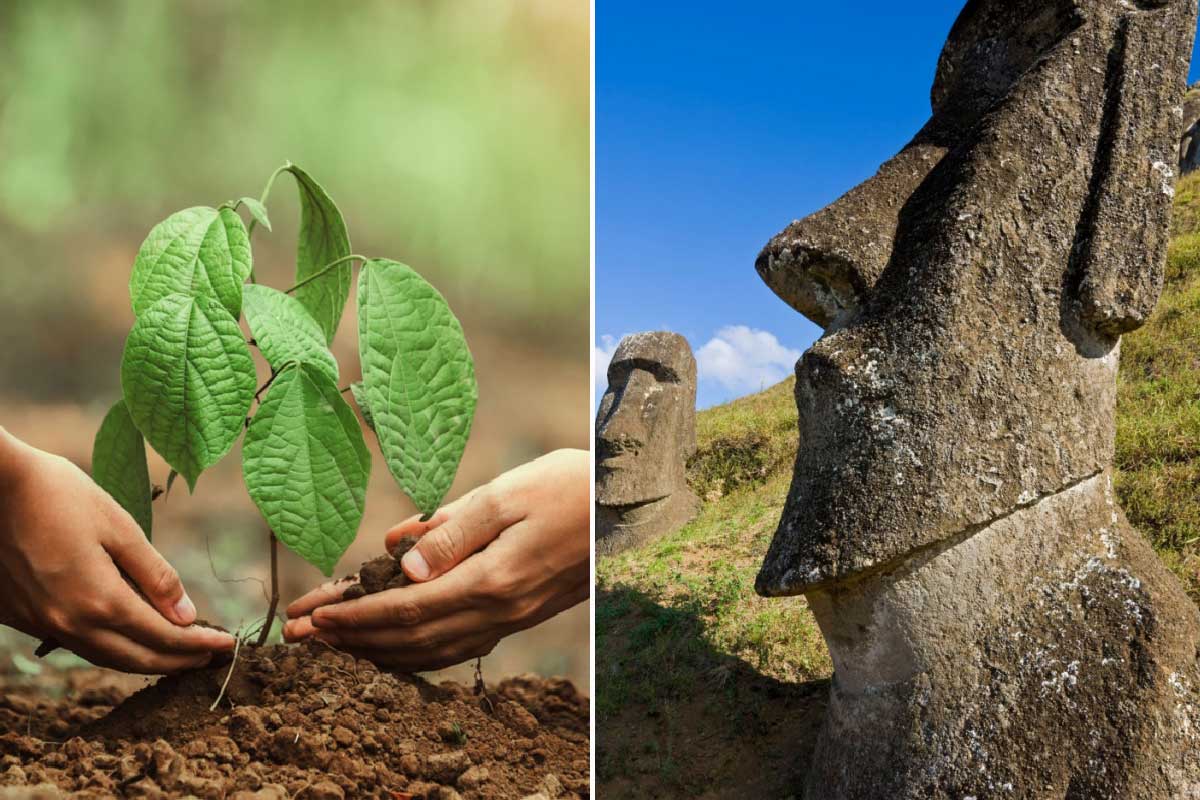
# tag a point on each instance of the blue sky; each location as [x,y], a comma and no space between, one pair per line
[718,124]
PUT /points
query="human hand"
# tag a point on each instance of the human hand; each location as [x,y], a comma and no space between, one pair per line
[500,559]
[63,544]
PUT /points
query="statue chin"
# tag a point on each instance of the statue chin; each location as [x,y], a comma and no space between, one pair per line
[620,527]
[632,507]
[636,481]
[619,494]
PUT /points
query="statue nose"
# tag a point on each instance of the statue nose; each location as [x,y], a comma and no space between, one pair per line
[827,263]
[625,426]
[624,429]
[809,267]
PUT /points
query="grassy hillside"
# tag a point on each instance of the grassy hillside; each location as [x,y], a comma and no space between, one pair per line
[706,690]
[1158,411]
[700,682]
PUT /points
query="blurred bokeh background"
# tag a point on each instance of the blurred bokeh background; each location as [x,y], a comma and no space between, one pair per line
[454,137]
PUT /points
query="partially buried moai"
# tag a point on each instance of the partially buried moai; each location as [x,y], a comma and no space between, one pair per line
[998,630]
[645,432]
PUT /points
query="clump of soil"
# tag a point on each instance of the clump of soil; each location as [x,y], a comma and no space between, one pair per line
[305,722]
[380,574]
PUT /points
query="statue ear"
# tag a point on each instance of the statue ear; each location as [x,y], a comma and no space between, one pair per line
[1121,245]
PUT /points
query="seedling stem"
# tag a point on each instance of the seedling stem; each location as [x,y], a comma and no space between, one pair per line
[266,629]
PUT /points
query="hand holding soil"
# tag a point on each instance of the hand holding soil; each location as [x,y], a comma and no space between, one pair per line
[502,558]
[63,545]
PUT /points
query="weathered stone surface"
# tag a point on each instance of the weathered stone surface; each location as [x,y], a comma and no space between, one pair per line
[974,373]
[1049,655]
[997,628]
[645,432]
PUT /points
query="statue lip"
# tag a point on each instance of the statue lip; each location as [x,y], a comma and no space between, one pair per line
[616,461]
[616,452]
[790,583]
[784,574]
[787,571]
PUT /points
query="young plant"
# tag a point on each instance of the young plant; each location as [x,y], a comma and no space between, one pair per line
[188,376]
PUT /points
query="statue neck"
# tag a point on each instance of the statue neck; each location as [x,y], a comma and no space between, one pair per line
[885,628]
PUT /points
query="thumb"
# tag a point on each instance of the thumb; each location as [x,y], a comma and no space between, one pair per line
[462,532]
[418,525]
[152,575]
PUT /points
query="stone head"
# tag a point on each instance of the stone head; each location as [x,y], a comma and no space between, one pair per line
[974,291]
[646,425]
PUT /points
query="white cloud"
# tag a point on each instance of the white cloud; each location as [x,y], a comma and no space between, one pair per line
[601,355]
[744,360]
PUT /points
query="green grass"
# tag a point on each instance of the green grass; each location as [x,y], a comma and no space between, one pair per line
[669,614]
[1186,216]
[679,618]
[1158,406]
[744,442]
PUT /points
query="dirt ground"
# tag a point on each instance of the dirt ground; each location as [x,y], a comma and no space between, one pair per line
[733,733]
[302,722]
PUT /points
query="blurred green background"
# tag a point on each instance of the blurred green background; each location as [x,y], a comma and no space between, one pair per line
[454,137]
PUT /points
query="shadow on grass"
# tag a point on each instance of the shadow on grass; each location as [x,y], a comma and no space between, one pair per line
[677,718]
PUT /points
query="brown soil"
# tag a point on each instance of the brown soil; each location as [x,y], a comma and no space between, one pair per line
[743,736]
[303,722]
[381,574]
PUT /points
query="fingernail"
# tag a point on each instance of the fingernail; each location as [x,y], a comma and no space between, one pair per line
[415,565]
[185,610]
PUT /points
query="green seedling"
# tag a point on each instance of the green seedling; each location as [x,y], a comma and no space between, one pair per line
[189,385]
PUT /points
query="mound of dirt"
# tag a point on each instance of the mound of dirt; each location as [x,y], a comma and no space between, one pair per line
[304,722]
[381,574]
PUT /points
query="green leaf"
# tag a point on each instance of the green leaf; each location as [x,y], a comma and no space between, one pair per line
[360,398]
[418,378]
[198,252]
[119,465]
[257,210]
[284,331]
[188,380]
[26,666]
[323,240]
[306,466]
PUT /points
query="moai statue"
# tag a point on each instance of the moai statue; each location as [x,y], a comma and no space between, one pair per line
[645,432]
[998,630]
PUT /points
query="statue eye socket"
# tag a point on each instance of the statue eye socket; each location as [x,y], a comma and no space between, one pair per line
[620,371]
